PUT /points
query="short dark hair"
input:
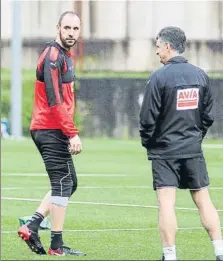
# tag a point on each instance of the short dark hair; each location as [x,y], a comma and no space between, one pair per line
[65,13]
[174,36]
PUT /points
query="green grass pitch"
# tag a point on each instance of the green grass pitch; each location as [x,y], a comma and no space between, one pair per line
[117,174]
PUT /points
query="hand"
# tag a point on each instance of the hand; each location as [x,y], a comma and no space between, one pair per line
[75,146]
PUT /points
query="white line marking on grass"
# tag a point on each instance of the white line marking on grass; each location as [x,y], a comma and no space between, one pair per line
[110,230]
[100,203]
[213,146]
[83,187]
[79,175]
[18,188]
[216,188]
[98,187]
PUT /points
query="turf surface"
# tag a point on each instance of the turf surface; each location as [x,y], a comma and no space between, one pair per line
[124,226]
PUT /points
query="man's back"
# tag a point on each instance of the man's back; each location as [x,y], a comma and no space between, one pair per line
[176,113]
[179,101]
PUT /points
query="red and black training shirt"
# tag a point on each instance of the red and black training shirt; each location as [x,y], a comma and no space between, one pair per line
[54,97]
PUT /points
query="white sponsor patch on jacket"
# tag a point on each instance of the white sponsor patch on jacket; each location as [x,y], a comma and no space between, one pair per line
[187,99]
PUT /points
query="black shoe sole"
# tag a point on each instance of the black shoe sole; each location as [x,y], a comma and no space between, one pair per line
[32,245]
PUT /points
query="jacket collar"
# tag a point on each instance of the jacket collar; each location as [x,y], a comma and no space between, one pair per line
[177,59]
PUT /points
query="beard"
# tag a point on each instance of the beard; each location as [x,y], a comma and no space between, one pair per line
[161,61]
[67,42]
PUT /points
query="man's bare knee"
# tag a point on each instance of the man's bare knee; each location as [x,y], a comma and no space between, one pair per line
[208,213]
[201,197]
[166,197]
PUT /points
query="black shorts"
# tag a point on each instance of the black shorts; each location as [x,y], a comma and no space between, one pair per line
[180,173]
[53,147]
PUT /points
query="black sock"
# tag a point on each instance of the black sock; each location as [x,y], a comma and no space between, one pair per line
[56,239]
[35,222]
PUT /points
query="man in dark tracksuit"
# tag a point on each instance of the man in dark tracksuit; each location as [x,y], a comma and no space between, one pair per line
[55,135]
[176,113]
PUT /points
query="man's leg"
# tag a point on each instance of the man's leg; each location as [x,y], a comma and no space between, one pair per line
[29,231]
[42,211]
[209,218]
[57,160]
[44,207]
[165,181]
[59,166]
[198,181]
[167,221]
[53,146]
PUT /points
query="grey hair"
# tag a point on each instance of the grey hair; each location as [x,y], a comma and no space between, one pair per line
[65,13]
[174,36]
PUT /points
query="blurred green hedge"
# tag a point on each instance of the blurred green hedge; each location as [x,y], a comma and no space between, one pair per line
[28,77]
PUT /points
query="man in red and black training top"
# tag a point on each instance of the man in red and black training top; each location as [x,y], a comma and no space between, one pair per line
[55,135]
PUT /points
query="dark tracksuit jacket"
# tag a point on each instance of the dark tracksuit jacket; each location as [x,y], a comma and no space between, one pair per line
[177,111]
[54,97]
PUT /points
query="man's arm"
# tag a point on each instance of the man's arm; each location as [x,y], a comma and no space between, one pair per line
[207,109]
[150,110]
[54,93]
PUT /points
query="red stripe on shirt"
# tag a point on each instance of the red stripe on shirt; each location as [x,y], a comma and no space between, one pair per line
[64,67]
[55,80]
[41,59]
[54,53]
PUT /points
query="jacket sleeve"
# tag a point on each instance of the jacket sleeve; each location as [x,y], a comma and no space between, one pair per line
[207,109]
[150,110]
[54,93]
